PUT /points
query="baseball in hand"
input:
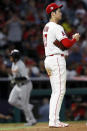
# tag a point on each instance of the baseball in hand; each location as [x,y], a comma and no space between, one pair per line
[76,36]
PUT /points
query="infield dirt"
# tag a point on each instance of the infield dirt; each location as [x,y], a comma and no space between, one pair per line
[74,126]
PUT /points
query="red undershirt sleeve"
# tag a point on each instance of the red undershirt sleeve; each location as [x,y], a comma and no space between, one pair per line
[68,43]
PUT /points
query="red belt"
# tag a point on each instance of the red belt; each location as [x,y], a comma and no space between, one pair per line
[57,54]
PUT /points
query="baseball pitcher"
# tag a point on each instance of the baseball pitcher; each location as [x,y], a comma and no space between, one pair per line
[56,44]
[20,94]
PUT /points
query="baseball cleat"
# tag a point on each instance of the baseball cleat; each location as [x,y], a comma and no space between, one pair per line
[33,121]
[28,124]
[59,124]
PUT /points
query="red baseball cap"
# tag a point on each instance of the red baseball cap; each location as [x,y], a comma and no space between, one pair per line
[52,7]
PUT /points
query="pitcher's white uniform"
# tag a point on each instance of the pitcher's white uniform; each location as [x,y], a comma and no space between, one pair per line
[55,65]
[20,94]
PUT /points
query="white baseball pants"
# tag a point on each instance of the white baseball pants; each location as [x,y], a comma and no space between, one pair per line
[56,68]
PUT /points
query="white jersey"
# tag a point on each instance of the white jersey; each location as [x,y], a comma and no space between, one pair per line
[19,69]
[52,32]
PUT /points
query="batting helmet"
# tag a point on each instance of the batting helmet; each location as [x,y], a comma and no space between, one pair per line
[15,54]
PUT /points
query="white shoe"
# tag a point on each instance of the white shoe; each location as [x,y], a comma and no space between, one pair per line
[59,124]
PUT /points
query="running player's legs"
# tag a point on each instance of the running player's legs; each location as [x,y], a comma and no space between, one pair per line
[25,93]
[28,93]
[32,118]
[14,97]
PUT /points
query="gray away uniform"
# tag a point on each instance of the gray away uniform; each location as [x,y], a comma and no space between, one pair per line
[20,94]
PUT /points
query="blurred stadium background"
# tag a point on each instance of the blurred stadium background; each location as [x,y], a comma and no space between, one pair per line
[21,26]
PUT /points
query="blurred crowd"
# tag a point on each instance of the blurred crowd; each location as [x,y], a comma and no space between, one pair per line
[76,107]
[21,26]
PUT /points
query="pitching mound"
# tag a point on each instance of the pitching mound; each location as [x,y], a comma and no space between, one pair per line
[74,126]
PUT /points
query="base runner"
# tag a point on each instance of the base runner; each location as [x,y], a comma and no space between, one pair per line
[20,94]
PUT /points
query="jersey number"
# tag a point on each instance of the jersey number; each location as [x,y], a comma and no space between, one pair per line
[45,40]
